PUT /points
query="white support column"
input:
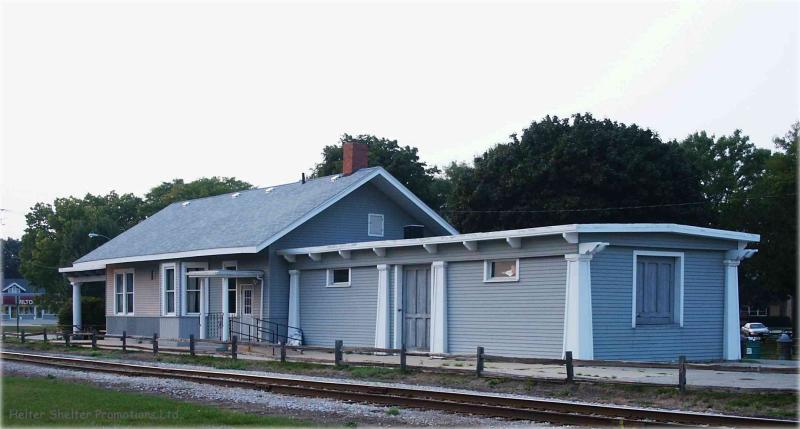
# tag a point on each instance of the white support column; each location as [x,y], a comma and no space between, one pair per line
[294,309]
[438,336]
[382,314]
[34,312]
[76,306]
[731,348]
[578,329]
[398,306]
[203,301]
[226,323]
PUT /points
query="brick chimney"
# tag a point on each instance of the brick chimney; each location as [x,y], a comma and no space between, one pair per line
[354,157]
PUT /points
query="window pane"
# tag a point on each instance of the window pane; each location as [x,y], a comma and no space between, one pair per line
[193,302]
[129,299]
[232,301]
[118,283]
[118,303]
[248,301]
[129,282]
[504,269]
[169,279]
[341,276]
[170,298]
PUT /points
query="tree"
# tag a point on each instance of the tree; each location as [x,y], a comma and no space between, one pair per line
[58,233]
[11,258]
[169,192]
[771,211]
[575,170]
[729,167]
[401,161]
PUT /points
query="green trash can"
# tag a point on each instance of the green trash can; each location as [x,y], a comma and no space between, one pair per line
[752,349]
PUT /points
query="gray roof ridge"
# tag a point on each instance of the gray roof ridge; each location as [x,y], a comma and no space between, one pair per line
[262,188]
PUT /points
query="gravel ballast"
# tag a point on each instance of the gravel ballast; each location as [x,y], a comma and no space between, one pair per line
[254,401]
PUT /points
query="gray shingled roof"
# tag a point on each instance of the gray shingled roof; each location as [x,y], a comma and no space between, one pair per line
[222,221]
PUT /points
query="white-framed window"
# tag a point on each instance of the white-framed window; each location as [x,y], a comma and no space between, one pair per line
[231,286]
[375,225]
[169,292]
[339,277]
[192,287]
[247,301]
[123,291]
[657,288]
[500,270]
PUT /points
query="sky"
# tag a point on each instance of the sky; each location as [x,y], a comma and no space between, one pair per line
[103,96]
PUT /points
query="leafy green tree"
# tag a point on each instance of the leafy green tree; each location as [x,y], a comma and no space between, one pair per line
[771,211]
[729,167]
[58,233]
[11,258]
[575,170]
[177,190]
[401,161]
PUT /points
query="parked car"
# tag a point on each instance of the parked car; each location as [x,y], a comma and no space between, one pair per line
[754,329]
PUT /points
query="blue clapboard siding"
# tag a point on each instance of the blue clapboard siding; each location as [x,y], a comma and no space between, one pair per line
[524,318]
[612,298]
[339,313]
[343,222]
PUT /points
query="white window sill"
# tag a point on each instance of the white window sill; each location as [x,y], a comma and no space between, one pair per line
[338,285]
[502,280]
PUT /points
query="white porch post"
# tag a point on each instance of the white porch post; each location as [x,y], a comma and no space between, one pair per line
[398,306]
[34,312]
[438,307]
[226,323]
[382,314]
[578,329]
[293,332]
[731,348]
[76,306]
[203,300]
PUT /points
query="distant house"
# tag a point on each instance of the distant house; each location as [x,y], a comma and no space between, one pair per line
[19,296]
[358,257]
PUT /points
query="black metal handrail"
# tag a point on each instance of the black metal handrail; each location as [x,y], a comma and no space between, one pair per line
[264,330]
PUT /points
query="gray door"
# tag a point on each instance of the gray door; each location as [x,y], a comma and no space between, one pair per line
[417,306]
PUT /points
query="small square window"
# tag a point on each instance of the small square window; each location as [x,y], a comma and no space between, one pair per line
[339,277]
[503,270]
[375,225]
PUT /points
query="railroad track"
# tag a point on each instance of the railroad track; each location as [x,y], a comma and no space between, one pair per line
[542,410]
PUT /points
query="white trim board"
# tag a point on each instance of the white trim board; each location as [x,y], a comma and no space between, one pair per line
[567,231]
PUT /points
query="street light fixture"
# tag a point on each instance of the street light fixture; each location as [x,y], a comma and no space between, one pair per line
[95,235]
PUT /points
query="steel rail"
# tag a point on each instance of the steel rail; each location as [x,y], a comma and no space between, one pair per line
[553,411]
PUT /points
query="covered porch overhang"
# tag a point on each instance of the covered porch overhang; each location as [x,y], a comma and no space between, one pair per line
[76,278]
[223,275]
[227,274]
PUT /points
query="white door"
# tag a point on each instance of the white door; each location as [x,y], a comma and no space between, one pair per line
[244,309]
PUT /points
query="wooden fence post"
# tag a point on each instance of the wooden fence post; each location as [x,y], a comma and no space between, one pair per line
[479,362]
[124,341]
[4,335]
[22,335]
[44,333]
[234,346]
[403,366]
[66,337]
[94,341]
[155,343]
[337,353]
[569,366]
[283,352]
[191,345]
[682,373]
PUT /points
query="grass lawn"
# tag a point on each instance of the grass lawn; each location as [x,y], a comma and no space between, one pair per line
[50,402]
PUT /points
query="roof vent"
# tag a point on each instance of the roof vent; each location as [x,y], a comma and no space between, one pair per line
[185,203]
[268,190]
[333,179]
[235,195]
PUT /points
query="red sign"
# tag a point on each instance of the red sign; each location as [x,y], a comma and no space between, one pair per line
[24,299]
